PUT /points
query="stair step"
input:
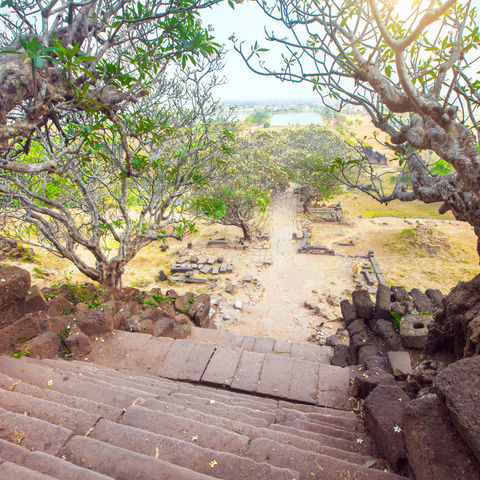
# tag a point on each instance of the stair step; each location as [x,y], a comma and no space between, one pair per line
[121,463]
[188,454]
[11,470]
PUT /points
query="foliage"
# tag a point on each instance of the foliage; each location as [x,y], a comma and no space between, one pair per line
[24,353]
[259,118]
[411,67]
[396,319]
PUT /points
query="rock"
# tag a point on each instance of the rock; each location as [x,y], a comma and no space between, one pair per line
[163,327]
[423,375]
[79,307]
[93,322]
[357,326]
[179,331]
[35,301]
[421,301]
[14,285]
[45,345]
[459,386]
[333,340]
[199,310]
[436,296]
[132,322]
[399,308]
[220,259]
[435,449]
[119,321]
[144,326]
[400,364]
[229,288]
[21,330]
[359,340]
[332,300]
[384,410]
[153,313]
[348,311]
[364,383]
[185,300]
[247,278]
[78,344]
[392,339]
[414,330]
[167,307]
[238,305]
[59,306]
[342,356]
[171,294]
[364,306]
[376,361]
[365,352]
[181,319]
[161,276]
[451,331]
[400,294]
[56,324]
[383,304]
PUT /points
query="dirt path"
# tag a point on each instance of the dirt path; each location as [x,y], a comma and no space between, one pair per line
[290,280]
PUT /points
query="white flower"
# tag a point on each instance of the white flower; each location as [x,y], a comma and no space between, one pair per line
[194,438]
[49,382]
[359,440]
[212,402]
[397,429]
[213,463]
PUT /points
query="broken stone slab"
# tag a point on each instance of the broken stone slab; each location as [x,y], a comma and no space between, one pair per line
[392,339]
[202,261]
[348,311]
[435,295]
[421,301]
[215,270]
[247,279]
[459,386]
[181,261]
[383,304]
[223,269]
[195,280]
[229,268]
[400,364]
[414,330]
[435,448]
[205,270]
[366,381]
[400,294]
[210,261]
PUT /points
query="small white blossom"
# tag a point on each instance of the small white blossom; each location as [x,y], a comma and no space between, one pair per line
[212,402]
[397,429]
[213,463]
[359,440]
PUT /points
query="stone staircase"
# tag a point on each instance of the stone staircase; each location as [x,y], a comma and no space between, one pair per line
[80,421]
[260,365]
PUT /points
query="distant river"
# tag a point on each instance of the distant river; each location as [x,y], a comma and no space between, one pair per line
[291,118]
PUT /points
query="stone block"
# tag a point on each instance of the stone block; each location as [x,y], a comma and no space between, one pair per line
[348,311]
[14,285]
[163,327]
[364,306]
[342,356]
[392,339]
[366,381]
[414,330]
[421,301]
[78,344]
[182,302]
[383,304]
[436,296]
[384,410]
[366,352]
[400,364]
[93,322]
[400,294]
[435,448]
[45,345]
[357,326]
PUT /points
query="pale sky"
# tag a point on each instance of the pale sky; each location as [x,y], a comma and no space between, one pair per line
[247,22]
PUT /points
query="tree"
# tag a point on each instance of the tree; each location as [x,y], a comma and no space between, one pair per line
[128,181]
[61,59]
[246,184]
[413,71]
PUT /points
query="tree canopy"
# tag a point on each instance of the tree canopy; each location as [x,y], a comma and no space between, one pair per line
[412,67]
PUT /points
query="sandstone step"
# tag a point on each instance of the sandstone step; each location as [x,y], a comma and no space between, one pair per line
[188,453]
[46,464]
[313,465]
[209,436]
[12,471]
[298,350]
[121,463]
[77,421]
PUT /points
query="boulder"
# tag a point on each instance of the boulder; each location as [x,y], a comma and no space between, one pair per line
[182,304]
[151,313]
[459,386]
[144,326]
[45,345]
[414,330]
[342,356]
[163,327]
[364,383]
[366,352]
[421,301]
[119,320]
[400,364]
[384,410]
[20,331]
[171,294]
[383,304]
[14,285]
[35,301]
[167,307]
[95,321]
[436,296]
[78,344]
[179,331]
[363,304]
[358,341]
[199,310]
[423,375]
[357,326]
[56,324]
[59,306]
[399,308]
[333,340]
[131,323]
[182,319]
[435,448]
[348,311]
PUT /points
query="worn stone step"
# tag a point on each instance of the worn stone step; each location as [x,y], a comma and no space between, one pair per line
[12,471]
[105,411]
[300,350]
[46,464]
[78,421]
[320,428]
[210,436]
[326,418]
[32,433]
[313,465]
[122,464]
[188,454]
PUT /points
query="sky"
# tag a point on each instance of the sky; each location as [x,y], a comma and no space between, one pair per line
[247,22]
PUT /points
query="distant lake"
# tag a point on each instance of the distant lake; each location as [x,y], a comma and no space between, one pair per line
[291,118]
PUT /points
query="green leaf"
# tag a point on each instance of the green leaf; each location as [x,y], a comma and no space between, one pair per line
[369,463]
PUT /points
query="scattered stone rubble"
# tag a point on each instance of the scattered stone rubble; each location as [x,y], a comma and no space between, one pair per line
[415,413]
[324,213]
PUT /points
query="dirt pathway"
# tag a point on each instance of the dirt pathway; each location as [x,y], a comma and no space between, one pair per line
[290,280]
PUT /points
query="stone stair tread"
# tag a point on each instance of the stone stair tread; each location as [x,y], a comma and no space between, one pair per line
[12,471]
[121,463]
[188,454]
